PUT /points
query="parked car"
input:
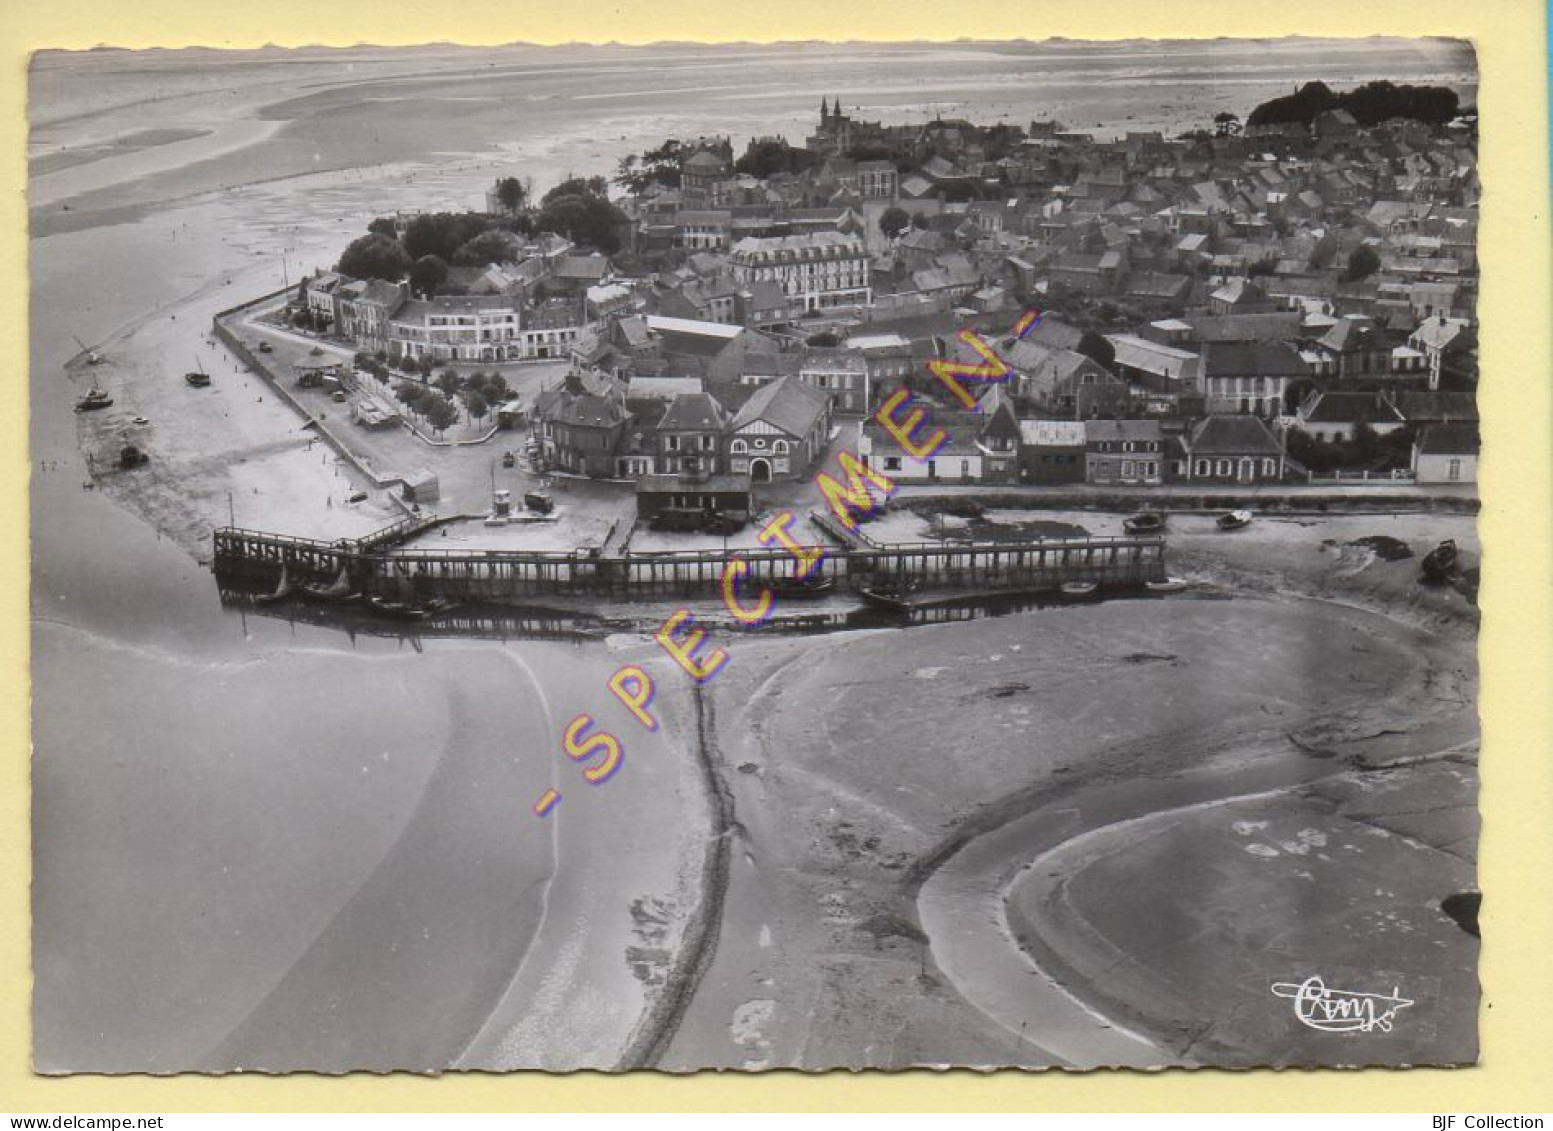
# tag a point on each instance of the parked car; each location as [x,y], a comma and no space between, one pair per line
[721,524]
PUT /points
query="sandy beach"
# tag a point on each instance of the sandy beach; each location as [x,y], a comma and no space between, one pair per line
[866,870]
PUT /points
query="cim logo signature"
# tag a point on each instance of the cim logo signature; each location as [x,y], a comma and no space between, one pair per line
[1341,1011]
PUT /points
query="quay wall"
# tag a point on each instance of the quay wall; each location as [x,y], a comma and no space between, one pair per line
[255,362]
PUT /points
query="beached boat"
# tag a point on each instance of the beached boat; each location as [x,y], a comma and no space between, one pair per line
[1080,590]
[93,400]
[1144,522]
[337,591]
[197,379]
[1233,520]
[282,588]
[800,588]
[890,596]
[1439,564]
[1169,585]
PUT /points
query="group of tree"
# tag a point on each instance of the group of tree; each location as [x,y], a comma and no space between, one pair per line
[579,209]
[766,157]
[432,405]
[1370,103]
[1366,450]
[375,256]
[1226,124]
[429,243]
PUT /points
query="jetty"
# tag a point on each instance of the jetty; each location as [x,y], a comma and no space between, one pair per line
[380,565]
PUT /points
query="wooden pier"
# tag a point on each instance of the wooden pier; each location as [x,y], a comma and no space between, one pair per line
[374,566]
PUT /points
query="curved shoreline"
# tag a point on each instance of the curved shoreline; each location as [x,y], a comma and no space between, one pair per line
[969,875]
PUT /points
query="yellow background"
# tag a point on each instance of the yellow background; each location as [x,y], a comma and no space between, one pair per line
[1517,531]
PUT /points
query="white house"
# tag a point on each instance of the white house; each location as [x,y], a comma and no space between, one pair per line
[1446,453]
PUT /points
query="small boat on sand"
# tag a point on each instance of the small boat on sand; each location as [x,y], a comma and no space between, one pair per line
[801,588]
[1080,590]
[890,596]
[197,379]
[1439,564]
[1233,520]
[1144,522]
[93,400]
[1168,585]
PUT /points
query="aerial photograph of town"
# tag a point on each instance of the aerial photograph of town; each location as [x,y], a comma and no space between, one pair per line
[825,555]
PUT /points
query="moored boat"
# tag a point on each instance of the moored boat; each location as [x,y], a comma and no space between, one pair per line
[396,608]
[338,590]
[93,400]
[282,588]
[1439,564]
[890,596]
[1233,520]
[799,588]
[1144,522]
[1079,590]
[1168,585]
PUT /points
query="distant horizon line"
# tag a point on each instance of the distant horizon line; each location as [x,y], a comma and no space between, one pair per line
[362,45]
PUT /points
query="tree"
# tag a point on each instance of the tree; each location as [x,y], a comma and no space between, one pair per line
[894,221]
[375,257]
[1366,443]
[1097,348]
[629,176]
[1226,124]
[1305,450]
[477,406]
[384,226]
[921,221]
[584,218]
[448,381]
[493,246]
[443,233]
[438,411]
[1362,263]
[511,193]
[495,388]
[428,273]
[577,186]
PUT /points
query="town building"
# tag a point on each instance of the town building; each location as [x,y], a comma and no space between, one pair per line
[1124,451]
[1231,449]
[1052,452]
[819,271]
[779,433]
[1446,453]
